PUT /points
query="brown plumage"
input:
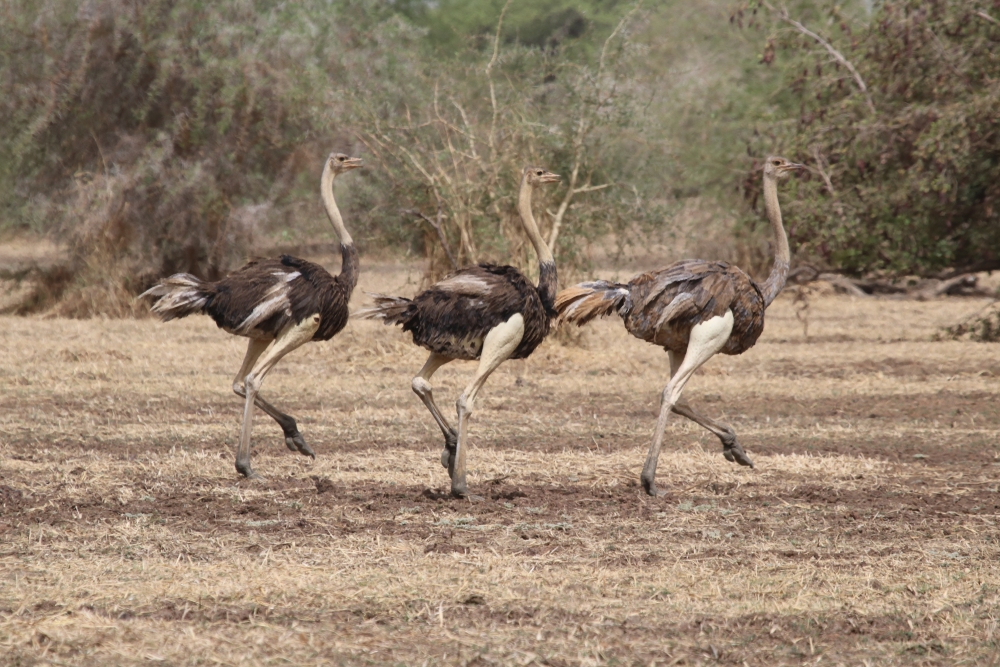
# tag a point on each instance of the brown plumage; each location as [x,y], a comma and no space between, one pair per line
[694,309]
[661,306]
[279,304]
[486,312]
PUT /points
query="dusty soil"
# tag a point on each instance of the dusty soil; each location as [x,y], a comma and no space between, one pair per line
[867,534]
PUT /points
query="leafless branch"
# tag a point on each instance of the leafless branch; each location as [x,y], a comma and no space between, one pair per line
[469,132]
[583,127]
[837,55]
[621,24]
[821,168]
[987,17]
[489,69]
[591,188]
[436,224]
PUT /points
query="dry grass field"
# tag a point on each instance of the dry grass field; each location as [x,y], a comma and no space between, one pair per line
[867,534]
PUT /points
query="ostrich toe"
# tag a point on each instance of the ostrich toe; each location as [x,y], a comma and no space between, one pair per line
[734,453]
[297,443]
[447,456]
[649,486]
[246,471]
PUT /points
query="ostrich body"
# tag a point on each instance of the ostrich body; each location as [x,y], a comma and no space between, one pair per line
[279,304]
[695,309]
[486,312]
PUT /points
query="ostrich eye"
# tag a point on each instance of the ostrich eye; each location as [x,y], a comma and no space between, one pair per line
[539,173]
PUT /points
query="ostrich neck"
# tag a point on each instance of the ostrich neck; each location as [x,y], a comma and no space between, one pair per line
[772,286]
[349,267]
[548,281]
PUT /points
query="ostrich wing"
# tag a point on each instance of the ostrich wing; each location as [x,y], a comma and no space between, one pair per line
[468,282]
[453,316]
[667,302]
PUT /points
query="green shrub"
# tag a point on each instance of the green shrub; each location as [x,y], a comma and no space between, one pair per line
[905,178]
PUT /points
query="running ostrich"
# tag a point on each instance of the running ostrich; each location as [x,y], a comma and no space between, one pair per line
[694,309]
[285,301]
[486,312]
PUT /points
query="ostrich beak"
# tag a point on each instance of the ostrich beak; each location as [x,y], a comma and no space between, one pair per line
[353,163]
[790,168]
[549,177]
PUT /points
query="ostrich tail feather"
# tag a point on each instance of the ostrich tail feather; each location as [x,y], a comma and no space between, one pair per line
[389,309]
[178,296]
[581,303]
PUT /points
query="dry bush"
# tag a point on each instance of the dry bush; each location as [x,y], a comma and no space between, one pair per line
[982,326]
[155,138]
[454,149]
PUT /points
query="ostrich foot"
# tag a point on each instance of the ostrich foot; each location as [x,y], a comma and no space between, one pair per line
[649,486]
[295,442]
[245,470]
[448,457]
[459,488]
[734,453]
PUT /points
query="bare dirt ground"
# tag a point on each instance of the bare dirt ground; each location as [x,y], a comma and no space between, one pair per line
[867,534]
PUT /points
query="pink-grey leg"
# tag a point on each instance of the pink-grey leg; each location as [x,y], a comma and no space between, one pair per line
[293,439]
[498,345]
[731,447]
[290,338]
[704,341]
[422,387]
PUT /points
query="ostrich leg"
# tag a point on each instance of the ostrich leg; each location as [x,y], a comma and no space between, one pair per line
[498,345]
[290,338]
[293,439]
[704,341]
[731,447]
[422,387]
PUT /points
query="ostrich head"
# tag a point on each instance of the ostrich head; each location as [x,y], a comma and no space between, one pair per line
[339,163]
[538,176]
[778,167]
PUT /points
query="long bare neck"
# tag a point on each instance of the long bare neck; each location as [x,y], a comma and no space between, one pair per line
[548,280]
[776,281]
[349,268]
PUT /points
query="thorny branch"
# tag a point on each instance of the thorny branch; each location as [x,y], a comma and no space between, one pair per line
[837,55]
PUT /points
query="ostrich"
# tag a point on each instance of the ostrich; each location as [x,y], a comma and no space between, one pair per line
[285,301]
[486,312]
[694,309]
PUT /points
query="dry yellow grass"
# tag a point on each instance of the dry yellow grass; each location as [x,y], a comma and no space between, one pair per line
[866,535]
